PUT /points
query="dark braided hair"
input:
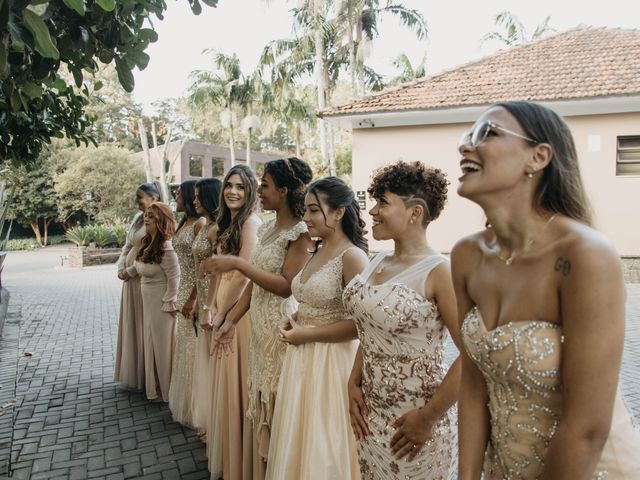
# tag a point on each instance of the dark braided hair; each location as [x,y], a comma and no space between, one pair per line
[294,174]
[337,194]
[230,228]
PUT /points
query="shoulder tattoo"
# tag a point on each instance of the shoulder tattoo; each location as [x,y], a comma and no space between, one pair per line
[563,266]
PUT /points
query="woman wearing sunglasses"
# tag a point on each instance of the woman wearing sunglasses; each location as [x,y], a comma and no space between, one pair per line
[541,298]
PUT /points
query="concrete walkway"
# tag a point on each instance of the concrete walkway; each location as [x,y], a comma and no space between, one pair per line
[70,420]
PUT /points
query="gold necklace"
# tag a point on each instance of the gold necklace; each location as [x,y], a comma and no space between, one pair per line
[509,260]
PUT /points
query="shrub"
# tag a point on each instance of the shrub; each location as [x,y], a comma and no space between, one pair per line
[120,233]
[103,236]
[80,235]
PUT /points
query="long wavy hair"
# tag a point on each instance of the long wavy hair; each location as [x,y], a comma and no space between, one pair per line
[337,194]
[188,192]
[294,174]
[229,227]
[152,246]
[560,189]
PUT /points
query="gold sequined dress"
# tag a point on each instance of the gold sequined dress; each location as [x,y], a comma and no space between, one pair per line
[311,436]
[402,336]
[266,351]
[201,391]
[520,362]
[184,351]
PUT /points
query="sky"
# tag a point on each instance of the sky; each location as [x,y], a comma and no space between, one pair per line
[455,30]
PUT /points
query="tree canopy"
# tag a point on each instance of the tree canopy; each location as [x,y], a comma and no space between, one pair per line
[37,38]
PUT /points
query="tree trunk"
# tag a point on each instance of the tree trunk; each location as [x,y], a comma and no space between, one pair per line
[249,132]
[360,64]
[35,226]
[320,87]
[163,179]
[352,53]
[46,232]
[232,143]
[332,152]
[145,149]
[297,140]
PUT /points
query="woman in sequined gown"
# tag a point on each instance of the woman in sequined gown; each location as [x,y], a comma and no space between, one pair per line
[207,198]
[541,300]
[310,435]
[180,402]
[401,393]
[159,271]
[129,365]
[280,253]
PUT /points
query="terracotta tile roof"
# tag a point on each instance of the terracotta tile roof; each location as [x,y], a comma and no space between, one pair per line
[581,63]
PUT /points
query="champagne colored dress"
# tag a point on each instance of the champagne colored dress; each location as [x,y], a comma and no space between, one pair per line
[229,396]
[402,337]
[180,402]
[129,367]
[266,351]
[311,435]
[521,362]
[159,286]
[201,392]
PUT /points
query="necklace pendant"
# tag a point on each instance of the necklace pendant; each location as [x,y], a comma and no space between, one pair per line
[379,271]
[509,261]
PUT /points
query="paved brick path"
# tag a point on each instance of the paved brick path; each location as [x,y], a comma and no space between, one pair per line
[70,421]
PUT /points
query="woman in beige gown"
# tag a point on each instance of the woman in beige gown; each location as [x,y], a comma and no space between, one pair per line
[541,299]
[280,253]
[180,401]
[159,272]
[237,226]
[310,435]
[207,199]
[129,365]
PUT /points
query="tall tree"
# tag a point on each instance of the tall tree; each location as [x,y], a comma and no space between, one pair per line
[513,32]
[407,71]
[222,87]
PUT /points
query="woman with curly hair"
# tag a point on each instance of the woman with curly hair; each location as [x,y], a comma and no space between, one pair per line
[237,226]
[310,436]
[159,270]
[403,304]
[282,250]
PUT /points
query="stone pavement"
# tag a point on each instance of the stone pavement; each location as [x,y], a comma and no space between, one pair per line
[70,421]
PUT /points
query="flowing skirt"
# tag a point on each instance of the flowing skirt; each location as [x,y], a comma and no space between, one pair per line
[311,434]
[129,368]
[201,387]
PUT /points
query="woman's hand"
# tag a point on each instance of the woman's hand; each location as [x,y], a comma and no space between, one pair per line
[358,411]
[414,428]
[206,320]
[218,264]
[292,333]
[187,309]
[123,275]
[218,320]
[222,341]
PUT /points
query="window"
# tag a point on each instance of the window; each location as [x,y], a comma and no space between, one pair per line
[628,155]
[217,167]
[196,166]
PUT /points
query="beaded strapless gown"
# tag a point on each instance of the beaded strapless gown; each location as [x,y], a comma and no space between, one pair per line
[520,362]
[402,336]
[184,351]
[311,436]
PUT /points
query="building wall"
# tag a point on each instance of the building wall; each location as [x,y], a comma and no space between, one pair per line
[615,199]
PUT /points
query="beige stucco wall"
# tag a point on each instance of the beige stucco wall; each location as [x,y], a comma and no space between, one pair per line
[616,200]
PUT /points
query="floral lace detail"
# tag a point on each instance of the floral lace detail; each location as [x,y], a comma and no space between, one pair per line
[266,351]
[320,296]
[402,337]
[520,362]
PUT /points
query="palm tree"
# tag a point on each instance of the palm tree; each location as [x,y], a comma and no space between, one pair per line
[407,71]
[513,31]
[359,19]
[223,88]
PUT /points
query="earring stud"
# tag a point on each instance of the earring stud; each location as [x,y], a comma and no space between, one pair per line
[529,175]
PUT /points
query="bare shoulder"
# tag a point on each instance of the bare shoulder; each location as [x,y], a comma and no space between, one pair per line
[254,220]
[469,248]
[582,249]
[354,261]
[197,226]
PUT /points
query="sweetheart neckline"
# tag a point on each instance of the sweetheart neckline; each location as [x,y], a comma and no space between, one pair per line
[511,324]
